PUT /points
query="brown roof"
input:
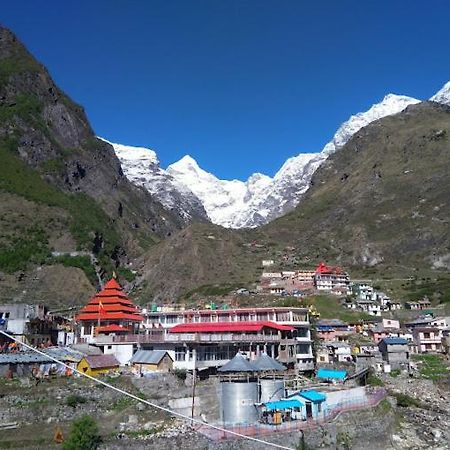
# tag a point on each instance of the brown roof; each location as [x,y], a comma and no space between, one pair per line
[102,361]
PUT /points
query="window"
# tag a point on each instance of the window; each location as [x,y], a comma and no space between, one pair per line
[180,354]
[109,347]
[426,335]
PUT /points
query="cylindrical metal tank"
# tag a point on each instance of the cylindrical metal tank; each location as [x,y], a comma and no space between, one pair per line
[237,402]
[270,390]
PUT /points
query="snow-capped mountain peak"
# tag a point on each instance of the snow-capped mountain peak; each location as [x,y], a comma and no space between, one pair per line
[443,95]
[391,104]
[259,199]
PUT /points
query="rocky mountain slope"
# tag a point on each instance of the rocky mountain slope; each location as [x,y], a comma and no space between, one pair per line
[258,200]
[141,166]
[380,202]
[61,188]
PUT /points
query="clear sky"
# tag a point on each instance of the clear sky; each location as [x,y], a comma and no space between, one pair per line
[238,85]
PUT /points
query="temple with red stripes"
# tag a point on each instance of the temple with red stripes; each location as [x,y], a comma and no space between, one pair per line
[109,311]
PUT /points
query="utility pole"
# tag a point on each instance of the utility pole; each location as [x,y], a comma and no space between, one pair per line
[194,353]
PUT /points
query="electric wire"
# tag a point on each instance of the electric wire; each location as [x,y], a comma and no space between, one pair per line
[153,405]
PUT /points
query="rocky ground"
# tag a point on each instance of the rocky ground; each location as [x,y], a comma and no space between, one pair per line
[127,424]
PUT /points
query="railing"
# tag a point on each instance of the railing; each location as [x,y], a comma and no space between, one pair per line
[373,398]
[192,337]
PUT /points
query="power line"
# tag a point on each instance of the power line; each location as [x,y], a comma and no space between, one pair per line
[167,410]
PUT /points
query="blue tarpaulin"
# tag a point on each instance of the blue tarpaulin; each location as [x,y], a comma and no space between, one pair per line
[331,374]
[283,404]
[313,396]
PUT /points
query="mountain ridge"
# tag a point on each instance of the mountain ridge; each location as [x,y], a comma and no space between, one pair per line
[260,199]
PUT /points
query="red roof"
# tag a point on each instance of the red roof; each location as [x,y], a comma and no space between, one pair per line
[227,327]
[111,329]
[94,308]
[113,284]
[115,306]
[323,268]
[109,316]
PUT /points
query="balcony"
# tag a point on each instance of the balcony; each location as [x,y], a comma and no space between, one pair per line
[162,337]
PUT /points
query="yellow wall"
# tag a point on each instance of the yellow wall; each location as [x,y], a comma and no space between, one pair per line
[84,367]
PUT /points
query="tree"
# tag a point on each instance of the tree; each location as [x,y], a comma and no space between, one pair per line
[84,435]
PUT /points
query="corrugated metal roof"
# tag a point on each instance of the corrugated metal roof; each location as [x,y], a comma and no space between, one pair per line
[148,356]
[102,361]
[64,354]
[238,364]
[23,358]
[331,374]
[265,362]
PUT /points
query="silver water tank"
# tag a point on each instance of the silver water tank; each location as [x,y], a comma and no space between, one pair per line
[270,390]
[237,403]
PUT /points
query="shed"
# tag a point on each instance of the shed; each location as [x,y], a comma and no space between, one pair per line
[98,364]
[313,402]
[152,360]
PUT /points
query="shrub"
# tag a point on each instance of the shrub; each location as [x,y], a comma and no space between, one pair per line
[373,380]
[84,435]
[180,374]
[74,400]
[405,401]
[395,373]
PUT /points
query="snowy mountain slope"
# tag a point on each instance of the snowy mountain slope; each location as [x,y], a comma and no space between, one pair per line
[260,199]
[141,166]
[443,95]
[391,104]
[238,204]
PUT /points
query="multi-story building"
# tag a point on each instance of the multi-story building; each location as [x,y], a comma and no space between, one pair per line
[27,323]
[298,318]
[209,338]
[328,278]
[427,339]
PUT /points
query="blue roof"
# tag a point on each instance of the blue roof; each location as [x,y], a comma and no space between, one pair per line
[395,340]
[283,404]
[331,374]
[313,396]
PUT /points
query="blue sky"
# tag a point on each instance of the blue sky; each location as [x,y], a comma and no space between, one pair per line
[238,85]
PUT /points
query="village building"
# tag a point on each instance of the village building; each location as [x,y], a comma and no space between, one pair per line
[339,352]
[328,278]
[204,339]
[27,323]
[446,342]
[390,323]
[95,365]
[151,361]
[427,339]
[363,291]
[333,330]
[395,352]
[428,321]
[370,307]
